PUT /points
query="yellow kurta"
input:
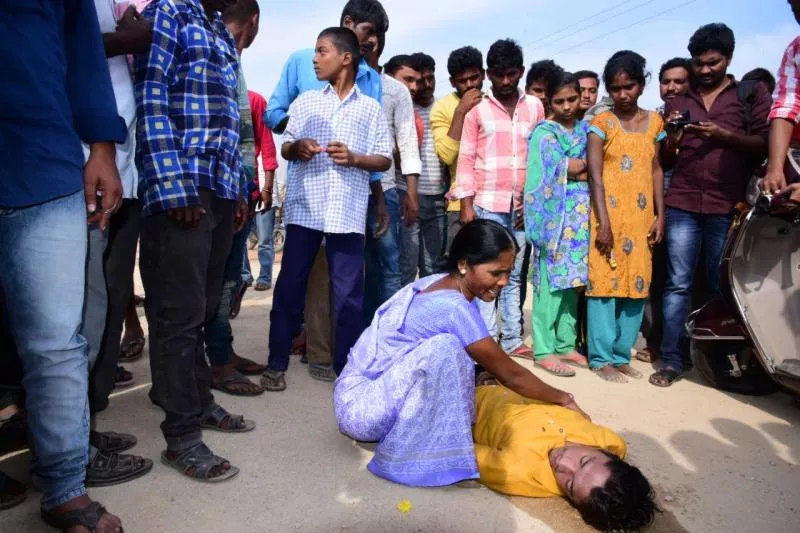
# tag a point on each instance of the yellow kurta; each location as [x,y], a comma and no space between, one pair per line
[514,437]
[628,181]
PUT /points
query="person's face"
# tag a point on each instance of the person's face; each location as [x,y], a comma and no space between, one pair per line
[367,35]
[485,281]
[538,89]
[505,81]
[565,104]
[251,31]
[427,86]
[328,61]
[674,82]
[579,469]
[588,93]
[710,68]
[471,78]
[625,92]
[410,78]
[795,5]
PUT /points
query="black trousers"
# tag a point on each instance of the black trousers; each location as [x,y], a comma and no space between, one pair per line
[182,271]
[119,262]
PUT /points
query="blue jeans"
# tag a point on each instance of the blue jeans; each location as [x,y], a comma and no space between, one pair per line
[423,242]
[42,271]
[509,298]
[687,234]
[219,335]
[265,223]
[382,257]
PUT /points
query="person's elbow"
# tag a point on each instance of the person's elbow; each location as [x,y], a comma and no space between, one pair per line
[383,164]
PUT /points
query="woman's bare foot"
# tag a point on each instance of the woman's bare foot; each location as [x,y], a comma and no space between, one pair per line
[628,370]
[609,373]
[107,522]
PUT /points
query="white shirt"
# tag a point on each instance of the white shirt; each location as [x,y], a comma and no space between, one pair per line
[321,195]
[122,82]
[399,111]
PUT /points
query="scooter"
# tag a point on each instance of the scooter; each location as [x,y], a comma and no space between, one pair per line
[747,340]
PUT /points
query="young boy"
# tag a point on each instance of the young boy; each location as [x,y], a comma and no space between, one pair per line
[188,136]
[336,136]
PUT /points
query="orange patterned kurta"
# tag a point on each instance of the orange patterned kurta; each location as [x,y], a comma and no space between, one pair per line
[628,181]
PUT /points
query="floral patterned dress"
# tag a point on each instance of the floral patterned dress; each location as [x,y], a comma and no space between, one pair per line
[557,209]
[628,181]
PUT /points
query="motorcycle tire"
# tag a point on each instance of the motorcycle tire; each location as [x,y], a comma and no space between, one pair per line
[731,366]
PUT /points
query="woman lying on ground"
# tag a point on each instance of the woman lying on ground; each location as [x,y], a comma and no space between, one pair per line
[409,385]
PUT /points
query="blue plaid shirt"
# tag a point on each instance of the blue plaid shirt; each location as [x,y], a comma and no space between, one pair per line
[188,113]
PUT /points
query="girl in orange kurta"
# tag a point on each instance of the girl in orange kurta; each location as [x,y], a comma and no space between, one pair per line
[627,217]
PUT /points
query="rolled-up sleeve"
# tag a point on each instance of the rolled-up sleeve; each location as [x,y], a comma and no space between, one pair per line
[407,144]
[91,95]
[465,177]
[786,101]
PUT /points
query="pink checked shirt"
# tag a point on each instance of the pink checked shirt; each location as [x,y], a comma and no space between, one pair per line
[786,99]
[493,158]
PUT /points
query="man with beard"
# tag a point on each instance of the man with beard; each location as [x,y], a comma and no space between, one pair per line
[713,158]
[423,241]
[492,166]
[465,66]
[590,85]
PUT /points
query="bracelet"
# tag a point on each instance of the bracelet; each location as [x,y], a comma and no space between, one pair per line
[570,399]
[268,191]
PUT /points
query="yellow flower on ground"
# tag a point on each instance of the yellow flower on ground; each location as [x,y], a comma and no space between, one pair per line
[404,506]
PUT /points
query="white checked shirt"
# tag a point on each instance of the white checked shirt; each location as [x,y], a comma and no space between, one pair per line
[320,194]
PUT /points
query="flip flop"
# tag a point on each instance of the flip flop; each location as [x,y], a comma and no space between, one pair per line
[665,377]
[557,369]
[523,352]
[227,384]
[574,359]
[247,366]
[131,348]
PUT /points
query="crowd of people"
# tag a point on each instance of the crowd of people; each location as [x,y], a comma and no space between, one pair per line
[412,227]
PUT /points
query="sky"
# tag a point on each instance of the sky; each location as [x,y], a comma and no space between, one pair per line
[576,34]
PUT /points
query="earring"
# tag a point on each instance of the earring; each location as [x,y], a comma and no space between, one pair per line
[463,272]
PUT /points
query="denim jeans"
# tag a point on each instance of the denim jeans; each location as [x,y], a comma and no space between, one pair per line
[42,271]
[509,298]
[95,304]
[382,257]
[265,224]
[182,272]
[219,335]
[423,242]
[687,234]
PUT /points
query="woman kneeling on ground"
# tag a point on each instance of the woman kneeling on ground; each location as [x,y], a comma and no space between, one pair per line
[409,385]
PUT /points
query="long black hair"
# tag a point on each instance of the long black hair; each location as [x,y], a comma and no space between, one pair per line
[479,242]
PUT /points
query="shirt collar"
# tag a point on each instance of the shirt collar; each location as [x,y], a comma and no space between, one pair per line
[490,96]
[694,93]
[355,92]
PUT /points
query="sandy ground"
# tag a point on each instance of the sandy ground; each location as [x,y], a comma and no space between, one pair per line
[720,463]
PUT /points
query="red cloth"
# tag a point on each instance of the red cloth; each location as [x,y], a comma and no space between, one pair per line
[265,144]
[420,127]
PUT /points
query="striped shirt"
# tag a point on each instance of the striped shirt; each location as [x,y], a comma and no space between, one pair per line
[187,108]
[322,195]
[431,179]
[493,158]
[786,99]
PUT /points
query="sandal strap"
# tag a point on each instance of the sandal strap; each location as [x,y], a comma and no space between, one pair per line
[87,517]
[223,419]
[199,458]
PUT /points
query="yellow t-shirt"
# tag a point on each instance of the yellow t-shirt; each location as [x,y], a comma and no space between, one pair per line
[442,113]
[514,436]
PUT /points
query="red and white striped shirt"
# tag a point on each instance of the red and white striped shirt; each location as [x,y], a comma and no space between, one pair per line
[786,99]
[493,158]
